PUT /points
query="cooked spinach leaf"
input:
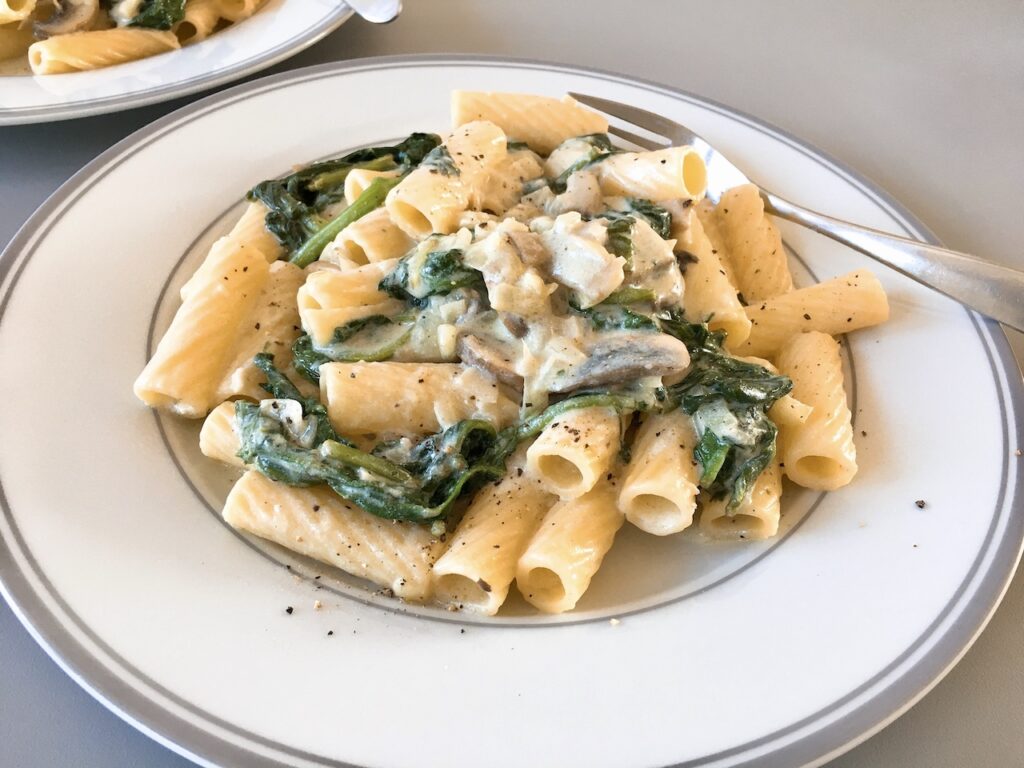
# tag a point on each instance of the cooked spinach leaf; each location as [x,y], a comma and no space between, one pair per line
[306,359]
[356,341]
[714,373]
[617,318]
[366,344]
[415,278]
[397,480]
[296,201]
[620,225]
[620,239]
[439,160]
[710,452]
[598,147]
[281,387]
[507,440]
[421,488]
[660,219]
[158,14]
[613,314]
[728,399]
[630,295]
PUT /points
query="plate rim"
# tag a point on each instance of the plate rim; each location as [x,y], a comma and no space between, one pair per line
[825,743]
[54,113]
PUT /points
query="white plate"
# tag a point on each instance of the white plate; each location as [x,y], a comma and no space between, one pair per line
[280,29]
[777,654]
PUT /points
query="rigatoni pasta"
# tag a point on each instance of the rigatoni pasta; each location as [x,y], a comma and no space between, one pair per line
[218,439]
[410,397]
[371,239]
[677,173]
[565,553]
[14,40]
[461,363]
[710,295]
[757,516]
[271,327]
[201,18]
[840,305]
[819,451]
[542,122]
[477,570]
[572,453]
[192,358]
[15,10]
[66,37]
[316,523]
[659,488]
[82,51]
[746,239]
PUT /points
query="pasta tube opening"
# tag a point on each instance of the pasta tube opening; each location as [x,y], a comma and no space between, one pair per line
[657,514]
[410,218]
[354,252]
[459,590]
[543,588]
[561,474]
[828,472]
[695,174]
[572,454]
[38,59]
[218,438]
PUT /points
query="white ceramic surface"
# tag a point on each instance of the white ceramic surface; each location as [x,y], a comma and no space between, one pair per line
[280,29]
[782,654]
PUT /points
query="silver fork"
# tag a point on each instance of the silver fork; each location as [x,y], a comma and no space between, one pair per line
[991,289]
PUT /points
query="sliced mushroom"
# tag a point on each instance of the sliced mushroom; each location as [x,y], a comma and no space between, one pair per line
[529,248]
[618,358]
[475,352]
[67,16]
[516,324]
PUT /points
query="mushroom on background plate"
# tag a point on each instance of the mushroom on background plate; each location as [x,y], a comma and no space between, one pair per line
[68,16]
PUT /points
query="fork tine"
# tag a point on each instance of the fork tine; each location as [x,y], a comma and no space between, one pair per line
[674,132]
[640,141]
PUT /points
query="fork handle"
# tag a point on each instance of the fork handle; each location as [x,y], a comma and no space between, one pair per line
[991,289]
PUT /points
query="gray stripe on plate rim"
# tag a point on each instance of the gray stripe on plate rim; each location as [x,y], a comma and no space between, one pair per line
[195,742]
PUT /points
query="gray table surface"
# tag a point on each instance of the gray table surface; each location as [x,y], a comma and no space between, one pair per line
[926,98]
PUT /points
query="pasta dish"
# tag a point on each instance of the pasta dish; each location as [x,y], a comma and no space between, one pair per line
[63,36]
[459,363]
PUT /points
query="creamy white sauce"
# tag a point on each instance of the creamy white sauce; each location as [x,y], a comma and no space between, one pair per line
[654,265]
[539,253]
[717,417]
[124,11]
[288,413]
[579,260]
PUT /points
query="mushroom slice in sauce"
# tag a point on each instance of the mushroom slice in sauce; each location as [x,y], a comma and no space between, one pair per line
[478,354]
[623,356]
[516,324]
[68,16]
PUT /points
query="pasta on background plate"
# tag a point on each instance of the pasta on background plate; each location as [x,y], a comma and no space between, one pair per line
[61,36]
[460,364]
